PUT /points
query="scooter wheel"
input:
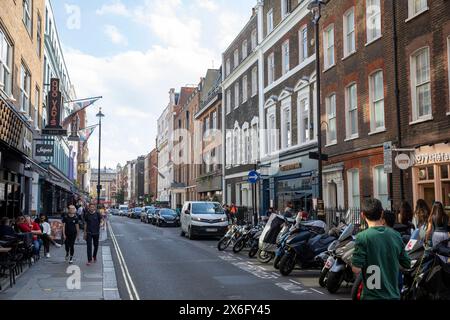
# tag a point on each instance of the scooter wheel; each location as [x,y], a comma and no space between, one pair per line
[276,262]
[287,264]
[323,278]
[252,252]
[264,256]
[334,281]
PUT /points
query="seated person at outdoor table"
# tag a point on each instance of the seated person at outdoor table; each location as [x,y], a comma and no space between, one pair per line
[35,229]
[6,229]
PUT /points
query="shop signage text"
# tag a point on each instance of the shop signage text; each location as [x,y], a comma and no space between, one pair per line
[290,167]
[44,150]
[403,161]
[430,158]
[54,110]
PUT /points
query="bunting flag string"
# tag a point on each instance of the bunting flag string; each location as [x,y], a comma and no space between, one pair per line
[77,106]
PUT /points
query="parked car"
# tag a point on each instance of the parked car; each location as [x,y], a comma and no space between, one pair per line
[151,215]
[201,218]
[167,217]
[144,214]
[123,210]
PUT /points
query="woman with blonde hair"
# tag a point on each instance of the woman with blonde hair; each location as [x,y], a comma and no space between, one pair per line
[421,216]
[437,230]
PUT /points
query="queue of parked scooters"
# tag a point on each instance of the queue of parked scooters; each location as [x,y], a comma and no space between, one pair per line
[309,244]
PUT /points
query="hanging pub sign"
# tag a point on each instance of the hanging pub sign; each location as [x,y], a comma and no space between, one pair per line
[74,129]
[44,150]
[54,103]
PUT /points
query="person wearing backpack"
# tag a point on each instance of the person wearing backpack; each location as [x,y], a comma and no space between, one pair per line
[92,222]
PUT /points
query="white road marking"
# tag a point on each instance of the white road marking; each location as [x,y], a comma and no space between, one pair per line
[317,291]
[295,282]
[123,266]
[292,288]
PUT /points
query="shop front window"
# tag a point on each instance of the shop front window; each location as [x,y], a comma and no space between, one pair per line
[445,186]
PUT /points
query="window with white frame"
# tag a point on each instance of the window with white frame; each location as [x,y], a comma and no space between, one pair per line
[236,95]
[27,14]
[271,130]
[229,191]
[303,112]
[285,8]
[214,120]
[303,43]
[39,36]
[328,44]
[376,96]
[269,21]
[5,64]
[244,88]
[236,58]
[330,103]
[351,106]
[246,145]
[244,49]
[228,104]
[254,39]
[354,199]
[25,83]
[416,7]
[286,123]
[229,149]
[254,81]
[373,19]
[285,56]
[380,186]
[36,107]
[228,67]
[421,84]
[255,142]
[271,68]
[236,146]
[349,32]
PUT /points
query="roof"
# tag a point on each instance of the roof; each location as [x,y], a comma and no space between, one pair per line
[185,93]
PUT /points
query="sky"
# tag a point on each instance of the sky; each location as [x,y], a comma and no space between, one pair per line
[132,52]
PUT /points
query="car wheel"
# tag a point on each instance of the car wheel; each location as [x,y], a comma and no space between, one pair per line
[190,235]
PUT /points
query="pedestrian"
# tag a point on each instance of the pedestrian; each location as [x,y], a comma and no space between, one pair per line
[437,230]
[233,212]
[379,253]
[289,210]
[71,231]
[92,222]
[46,235]
[226,210]
[420,220]
[28,226]
[405,216]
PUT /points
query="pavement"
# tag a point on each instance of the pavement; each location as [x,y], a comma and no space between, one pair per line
[54,279]
[157,263]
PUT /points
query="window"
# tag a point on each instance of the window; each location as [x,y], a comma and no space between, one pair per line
[285,7]
[380,182]
[415,7]
[228,67]
[373,19]
[448,65]
[187,120]
[271,68]
[236,147]
[214,120]
[36,107]
[5,64]
[246,145]
[421,86]
[285,56]
[229,148]
[351,106]
[354,200]
[272,131]
[236,58]
[286,122]
[254,39]
[376,95]
[228,101]
[303,44]
[206,127]
[255,81]
[270,21]
[25,80]
[236,95]
[244,49]
[39,36]
[255,142]
[349,32]
[244,88]
[328,37]
[27,13]
[303,111]
[330,103]
[229,191]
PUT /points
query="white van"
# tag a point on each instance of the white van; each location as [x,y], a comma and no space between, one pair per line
[123,210]
[201,218]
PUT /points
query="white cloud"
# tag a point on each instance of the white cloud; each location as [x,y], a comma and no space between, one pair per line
[207,4]
[115,8]
[115,35]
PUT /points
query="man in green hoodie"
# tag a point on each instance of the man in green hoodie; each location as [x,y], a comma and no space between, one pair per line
[379,253]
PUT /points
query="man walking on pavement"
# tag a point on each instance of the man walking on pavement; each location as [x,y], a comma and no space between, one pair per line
[92,222]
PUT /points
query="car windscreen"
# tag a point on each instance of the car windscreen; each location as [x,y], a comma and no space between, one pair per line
[206,208]
[137,210]
[167,213]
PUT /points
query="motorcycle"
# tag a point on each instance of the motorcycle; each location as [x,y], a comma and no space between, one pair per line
[303,251]
[337,268]
[245,239]
[274,231]
[233,233]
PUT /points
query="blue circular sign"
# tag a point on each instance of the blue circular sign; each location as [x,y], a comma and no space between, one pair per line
[253,177]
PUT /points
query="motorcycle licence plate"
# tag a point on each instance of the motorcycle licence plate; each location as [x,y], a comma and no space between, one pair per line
[329,263]
[211,230]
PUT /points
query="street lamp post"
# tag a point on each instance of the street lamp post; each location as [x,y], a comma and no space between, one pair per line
[100,115]
[315,8]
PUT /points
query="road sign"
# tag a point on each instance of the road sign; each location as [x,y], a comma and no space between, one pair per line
[387,148]
[253,177]
[403,161]
[315,156]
